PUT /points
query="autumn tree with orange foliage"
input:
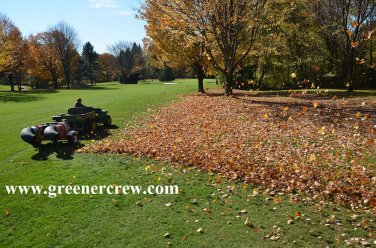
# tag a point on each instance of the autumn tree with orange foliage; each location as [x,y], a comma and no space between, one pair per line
[227,28]
[173,42]
[12,51]
[109,68]
[43,59]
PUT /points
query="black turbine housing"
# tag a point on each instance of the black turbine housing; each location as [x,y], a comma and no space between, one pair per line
[51,133]
[30,135]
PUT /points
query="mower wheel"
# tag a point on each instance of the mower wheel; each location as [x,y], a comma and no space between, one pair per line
[72,137]
[108,121]
[91,126]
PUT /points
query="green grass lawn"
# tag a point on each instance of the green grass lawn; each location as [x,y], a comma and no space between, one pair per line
[205,201]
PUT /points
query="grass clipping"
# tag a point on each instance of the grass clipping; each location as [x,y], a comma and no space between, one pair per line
[286,144]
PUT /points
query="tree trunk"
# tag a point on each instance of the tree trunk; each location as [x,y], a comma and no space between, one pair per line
[19,81]
[67,78]
[263,73]
[371,53]
[91,78]
[200,78]
[54,79]
[10,78]
[67,75]
[228,85]
[349,70]
[201,84]
[259,81]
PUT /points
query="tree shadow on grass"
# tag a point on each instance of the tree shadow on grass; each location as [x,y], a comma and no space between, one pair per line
[320,94]
[65,151]
[316,94]
[24,96]
[94,88]
[351,109]
[327,110]
[14,97]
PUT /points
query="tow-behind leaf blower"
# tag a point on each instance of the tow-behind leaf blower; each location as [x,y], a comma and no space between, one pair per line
[53,131]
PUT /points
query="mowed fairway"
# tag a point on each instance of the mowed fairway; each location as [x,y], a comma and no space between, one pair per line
[218,206]
[40,220]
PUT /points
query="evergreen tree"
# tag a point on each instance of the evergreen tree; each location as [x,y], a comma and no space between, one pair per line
[130,61]
[91,62]
[166,74]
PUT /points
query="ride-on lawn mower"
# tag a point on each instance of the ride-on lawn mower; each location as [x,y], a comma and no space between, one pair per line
[67,126]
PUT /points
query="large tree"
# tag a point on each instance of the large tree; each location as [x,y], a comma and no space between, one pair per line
[289,43]
[169,43]
[12,51]
[228,28]
[43,59]
[65,40]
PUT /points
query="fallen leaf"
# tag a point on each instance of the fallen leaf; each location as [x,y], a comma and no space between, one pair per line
[248,223]
[312,158]
[277,200]
[6,213]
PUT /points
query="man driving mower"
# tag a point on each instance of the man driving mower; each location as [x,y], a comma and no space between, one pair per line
[79,104]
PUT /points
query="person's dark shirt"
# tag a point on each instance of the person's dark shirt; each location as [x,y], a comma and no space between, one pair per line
[79,105]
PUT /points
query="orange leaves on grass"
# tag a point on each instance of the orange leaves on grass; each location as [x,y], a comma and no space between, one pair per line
[370,142]
[277,200]
[316,152]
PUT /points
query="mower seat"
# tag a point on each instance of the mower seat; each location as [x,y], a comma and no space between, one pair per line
[80,111]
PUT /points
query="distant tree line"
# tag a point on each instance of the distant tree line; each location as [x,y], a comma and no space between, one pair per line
[246,44]
[54,59]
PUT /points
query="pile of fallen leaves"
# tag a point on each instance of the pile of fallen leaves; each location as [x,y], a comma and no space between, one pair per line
[325,147]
